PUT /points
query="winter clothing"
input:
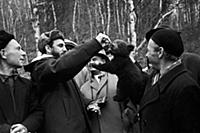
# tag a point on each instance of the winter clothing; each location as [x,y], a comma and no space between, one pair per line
[47,38]
[170,40]
[5,38]
[192,63]
[19,105]
[171,105]
[63,105]
[110,118]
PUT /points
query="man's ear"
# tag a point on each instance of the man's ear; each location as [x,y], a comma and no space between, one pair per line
[130,48]
[161,52]
[48,49]
[2,53]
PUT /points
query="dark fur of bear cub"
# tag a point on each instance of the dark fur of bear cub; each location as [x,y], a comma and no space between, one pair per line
[131,81]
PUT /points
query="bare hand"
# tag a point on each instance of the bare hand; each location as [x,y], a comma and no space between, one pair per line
[94,107]
[18,128]
[103,39]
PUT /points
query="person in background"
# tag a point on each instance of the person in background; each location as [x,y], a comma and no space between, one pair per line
[101,87]
[64,107]
[192,63]
[19,109]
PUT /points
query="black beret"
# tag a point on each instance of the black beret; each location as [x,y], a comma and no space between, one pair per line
[5,38]
[150,33]
[170,40]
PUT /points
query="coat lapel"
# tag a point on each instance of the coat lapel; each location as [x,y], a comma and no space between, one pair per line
[152,93]
[103,82]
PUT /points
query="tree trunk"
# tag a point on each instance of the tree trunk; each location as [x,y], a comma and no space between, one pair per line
[108,20]
[90,18]
[54,15]
[3,16]
[74,20]
[132,22]
[101,16]
[35,22]
[118,18]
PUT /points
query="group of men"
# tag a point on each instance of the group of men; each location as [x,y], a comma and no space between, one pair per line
[52,102]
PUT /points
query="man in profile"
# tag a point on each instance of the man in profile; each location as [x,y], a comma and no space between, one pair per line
[64,108]
[19,110]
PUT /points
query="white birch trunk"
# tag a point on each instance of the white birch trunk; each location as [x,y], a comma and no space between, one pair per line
[35,22]
[74,19]
[54,16]
[118,18]
[108,22]
[3,16]
[101,16]
[132,21]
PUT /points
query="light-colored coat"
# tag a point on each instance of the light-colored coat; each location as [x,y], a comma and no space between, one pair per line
[110,119]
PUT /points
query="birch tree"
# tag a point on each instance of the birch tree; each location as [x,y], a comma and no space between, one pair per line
[74,19]
[132,23]
[108,18]
[34,4]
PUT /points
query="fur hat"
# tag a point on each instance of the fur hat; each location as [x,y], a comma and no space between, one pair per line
[170,40]
[5,38]
[43,41]
[47,38]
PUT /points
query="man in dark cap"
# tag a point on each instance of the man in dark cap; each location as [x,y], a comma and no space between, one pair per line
[19,112]
[64,107]
[171,100]
[190,60]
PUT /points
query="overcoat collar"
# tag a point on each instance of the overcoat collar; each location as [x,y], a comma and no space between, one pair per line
[153,92]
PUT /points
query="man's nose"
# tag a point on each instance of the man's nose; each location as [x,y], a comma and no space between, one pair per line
[23,53]
[64,49]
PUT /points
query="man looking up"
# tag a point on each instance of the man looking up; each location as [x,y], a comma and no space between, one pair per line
[63,105]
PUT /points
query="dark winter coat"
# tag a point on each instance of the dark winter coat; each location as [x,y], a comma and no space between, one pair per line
[192,63]
[171,105]
[64,107]
[27,111]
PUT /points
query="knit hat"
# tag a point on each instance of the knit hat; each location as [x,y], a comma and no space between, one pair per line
[47,38]
[5,38]
[152,31]
[170,40]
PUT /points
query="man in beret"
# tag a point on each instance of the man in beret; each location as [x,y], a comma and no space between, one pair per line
[171,100]
[19,112]
[64,107]
[190,60]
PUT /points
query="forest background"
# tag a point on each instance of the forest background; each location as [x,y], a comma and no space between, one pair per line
[81,20]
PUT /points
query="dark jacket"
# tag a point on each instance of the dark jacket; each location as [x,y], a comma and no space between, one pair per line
[27,111]
[192,63]
[64,107]
[171,105]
